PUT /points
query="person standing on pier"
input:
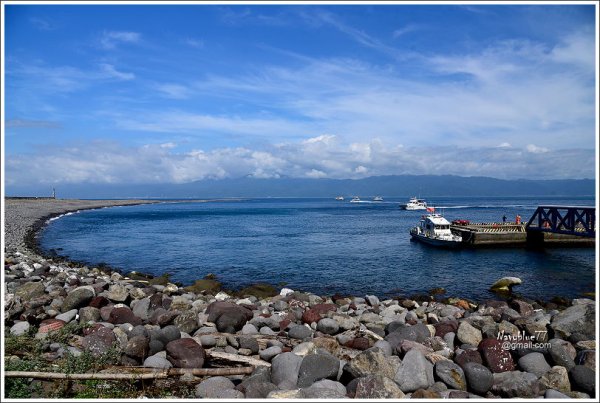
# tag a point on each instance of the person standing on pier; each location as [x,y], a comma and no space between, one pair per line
[518,219]
[504,219]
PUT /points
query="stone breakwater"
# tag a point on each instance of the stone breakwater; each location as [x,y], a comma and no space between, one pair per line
[303,345]
[24,217]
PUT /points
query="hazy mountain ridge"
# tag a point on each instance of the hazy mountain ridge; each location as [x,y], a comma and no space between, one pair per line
[393,185]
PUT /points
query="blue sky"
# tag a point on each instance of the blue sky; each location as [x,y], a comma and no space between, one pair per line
[177,93]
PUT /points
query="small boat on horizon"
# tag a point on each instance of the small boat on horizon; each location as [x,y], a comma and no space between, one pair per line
[415,204]
[434,229]
[378,198]
[341,198]
[355,199]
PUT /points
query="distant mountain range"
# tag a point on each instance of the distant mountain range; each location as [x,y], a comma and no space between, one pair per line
[386,186]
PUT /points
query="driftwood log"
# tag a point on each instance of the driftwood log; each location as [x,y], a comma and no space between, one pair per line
[139,373]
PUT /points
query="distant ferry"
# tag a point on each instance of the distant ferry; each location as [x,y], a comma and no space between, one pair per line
[355,199]
[378,198]
[415,204]
[341,198]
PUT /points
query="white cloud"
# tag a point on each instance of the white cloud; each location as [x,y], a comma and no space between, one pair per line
[532,148]
[111,71]
[405,30]
[577,48]
[174,91]
[161,163]
[41,24]
[110,39]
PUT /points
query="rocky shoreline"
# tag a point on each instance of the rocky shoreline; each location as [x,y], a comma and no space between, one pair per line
[282,343]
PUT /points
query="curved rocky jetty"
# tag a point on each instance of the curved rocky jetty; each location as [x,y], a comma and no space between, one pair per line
[297,345]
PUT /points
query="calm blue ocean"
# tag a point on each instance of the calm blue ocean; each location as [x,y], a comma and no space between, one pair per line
[319,245]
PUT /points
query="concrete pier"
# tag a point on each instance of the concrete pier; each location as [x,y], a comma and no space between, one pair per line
[514,235]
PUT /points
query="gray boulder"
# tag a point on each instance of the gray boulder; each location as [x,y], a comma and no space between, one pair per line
[156,361]
[377,387]
[534,363]
[583,379]
[315,367]
[328,326]
[285,369]
[479,378]
[29,291]
[78,297]
[299,332]
[415,372]
[516,384]
[554,394]
[259,390]
[268,353]
[575,319]
[20,328]
[325,389]
[370,362]
[210,388]
[559,353]
[451,374]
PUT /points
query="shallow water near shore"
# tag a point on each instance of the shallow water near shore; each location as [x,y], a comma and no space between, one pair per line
[319,245]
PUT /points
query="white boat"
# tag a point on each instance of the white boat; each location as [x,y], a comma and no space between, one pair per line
[355,199]
[415,204]
[377,198]
[434,229]
[339,198]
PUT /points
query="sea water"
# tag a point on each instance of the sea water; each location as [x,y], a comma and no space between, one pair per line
[320,245]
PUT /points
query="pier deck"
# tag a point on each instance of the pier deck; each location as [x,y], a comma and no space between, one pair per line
[513,235]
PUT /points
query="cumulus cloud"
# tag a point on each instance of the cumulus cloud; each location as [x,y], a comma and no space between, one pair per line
[103,162]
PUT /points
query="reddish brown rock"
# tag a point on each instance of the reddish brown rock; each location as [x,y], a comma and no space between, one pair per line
[89,330]
[100,341]
[468,356]
[185,353]
[99,302]
[310,315]
[284,324]
[49,325]
[359,343]
[123,315]
[524,308]
[495,357]
[444,327]
[162,317]
[324,308]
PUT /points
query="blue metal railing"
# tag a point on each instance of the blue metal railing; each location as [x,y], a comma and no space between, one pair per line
[572,220]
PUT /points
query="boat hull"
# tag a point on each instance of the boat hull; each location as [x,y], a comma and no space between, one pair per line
[436,242]
[414,208]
